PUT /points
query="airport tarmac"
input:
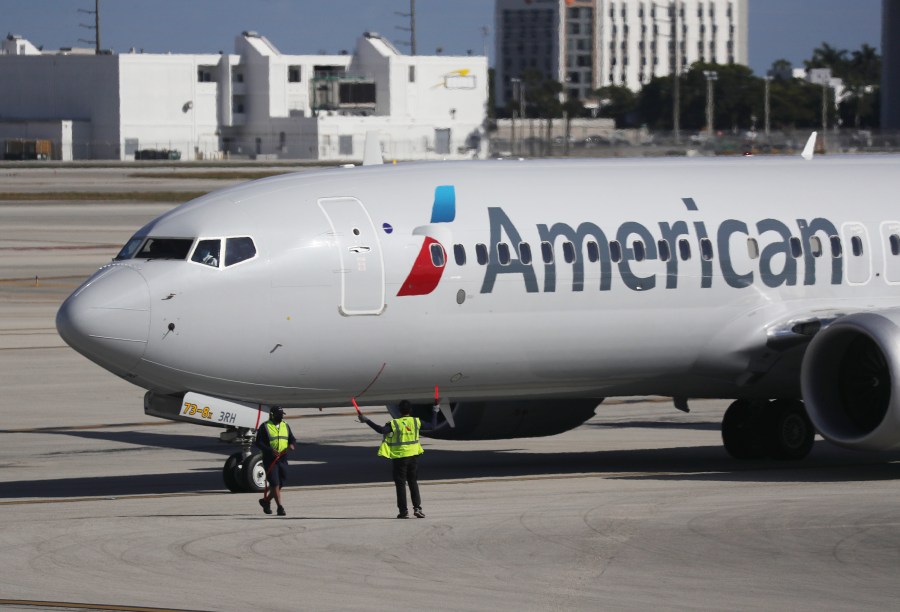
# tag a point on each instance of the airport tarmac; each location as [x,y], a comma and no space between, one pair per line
[640,508]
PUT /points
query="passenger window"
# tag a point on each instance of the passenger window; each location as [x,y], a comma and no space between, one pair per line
[895,244]
[706,250]
[796,247]
[663,247]
[593,251]
[459,253]
[129,249]
[165,248]
[238,250]
[615,251]
[481,254]
[437,255]
[836,249]
[752,248]
[640,252]
[207,252]
[568,251]
[857,246]
[547,252]
[815,246]
[525,253]
[684,249]
[503,254]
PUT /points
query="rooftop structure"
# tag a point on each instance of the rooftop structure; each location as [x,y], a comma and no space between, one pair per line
[256,102]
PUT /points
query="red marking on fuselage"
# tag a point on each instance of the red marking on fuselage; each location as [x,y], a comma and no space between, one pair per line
[424,276]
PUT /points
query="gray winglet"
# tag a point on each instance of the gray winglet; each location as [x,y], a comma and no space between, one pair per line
[372,155]
[810,147]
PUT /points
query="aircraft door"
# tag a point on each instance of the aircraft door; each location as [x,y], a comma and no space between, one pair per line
[890,246]
[857,253]
[362,265]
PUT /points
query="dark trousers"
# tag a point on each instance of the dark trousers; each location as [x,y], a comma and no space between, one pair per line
[406,471]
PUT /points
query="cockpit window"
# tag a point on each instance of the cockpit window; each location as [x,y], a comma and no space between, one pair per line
[207,252]
[165,248]
[129,249]
[238,250]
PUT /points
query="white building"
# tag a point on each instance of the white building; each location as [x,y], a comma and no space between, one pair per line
[256,102]
[588,44]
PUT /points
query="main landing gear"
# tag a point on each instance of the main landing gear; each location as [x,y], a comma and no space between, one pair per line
[243,471]
[778,429]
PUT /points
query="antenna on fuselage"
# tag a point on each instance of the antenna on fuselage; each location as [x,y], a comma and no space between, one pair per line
[372,155]
[810,147]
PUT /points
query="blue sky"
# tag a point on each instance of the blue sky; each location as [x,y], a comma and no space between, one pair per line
[788,29]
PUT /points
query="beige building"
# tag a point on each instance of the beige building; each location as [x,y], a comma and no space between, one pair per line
[587,44]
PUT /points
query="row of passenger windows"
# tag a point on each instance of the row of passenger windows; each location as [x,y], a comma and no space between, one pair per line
[207,251]
[639,250]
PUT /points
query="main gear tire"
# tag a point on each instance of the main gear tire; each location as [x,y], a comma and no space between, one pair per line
[740,430]
[790,433]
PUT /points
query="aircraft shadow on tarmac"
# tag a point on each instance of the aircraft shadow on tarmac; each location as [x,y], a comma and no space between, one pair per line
[341,464]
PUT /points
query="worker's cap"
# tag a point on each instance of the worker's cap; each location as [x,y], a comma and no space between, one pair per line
[276,411]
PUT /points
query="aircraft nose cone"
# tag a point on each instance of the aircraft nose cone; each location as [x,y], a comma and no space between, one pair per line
[108,318]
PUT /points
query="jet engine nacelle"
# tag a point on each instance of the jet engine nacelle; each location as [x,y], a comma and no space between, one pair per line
[847,379]
[511,419]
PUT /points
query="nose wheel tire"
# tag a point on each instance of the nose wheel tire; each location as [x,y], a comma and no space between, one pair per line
[253,472]
[244,473]
[231,472]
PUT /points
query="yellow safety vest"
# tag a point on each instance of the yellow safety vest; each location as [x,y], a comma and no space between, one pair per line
[402,440]
[278,436]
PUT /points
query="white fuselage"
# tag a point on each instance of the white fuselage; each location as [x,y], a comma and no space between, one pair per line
[315,317]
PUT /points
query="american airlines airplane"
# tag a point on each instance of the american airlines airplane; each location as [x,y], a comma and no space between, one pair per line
[525,291]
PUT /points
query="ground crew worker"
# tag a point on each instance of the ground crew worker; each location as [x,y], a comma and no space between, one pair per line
[401,446]
[274,439]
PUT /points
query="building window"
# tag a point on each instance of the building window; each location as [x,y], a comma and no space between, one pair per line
[345,145]
[205,74]
[356,93]
[412,74]
[293,74]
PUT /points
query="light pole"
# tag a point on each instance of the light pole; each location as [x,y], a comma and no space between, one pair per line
[711,76]
[674,56]
[676,82]
[822,76]
[518,93]
[768,79]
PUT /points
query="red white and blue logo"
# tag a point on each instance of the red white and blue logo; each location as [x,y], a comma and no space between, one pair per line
[426,273]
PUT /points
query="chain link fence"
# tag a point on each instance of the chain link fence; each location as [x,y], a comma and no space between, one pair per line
[540,141]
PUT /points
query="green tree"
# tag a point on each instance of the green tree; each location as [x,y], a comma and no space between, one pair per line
[619,103]
[827,56]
